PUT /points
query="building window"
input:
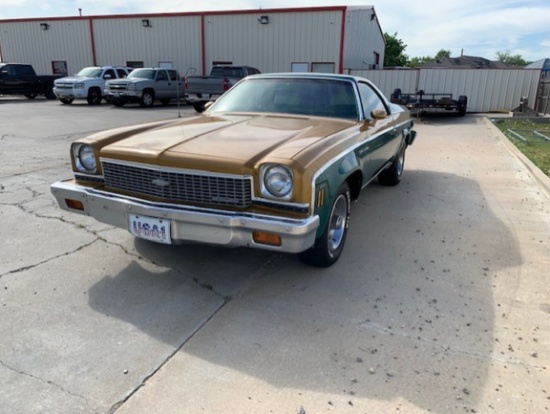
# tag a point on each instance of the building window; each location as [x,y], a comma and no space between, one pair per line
[376,59]
[134,64]
[323,67]
[59,67]
[299,67]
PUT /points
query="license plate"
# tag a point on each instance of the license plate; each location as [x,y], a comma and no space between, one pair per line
[150,228]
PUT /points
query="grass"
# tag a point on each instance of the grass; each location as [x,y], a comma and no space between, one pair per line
[525,134]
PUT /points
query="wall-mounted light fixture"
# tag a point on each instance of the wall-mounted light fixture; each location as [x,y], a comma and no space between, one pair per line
[373,16]
[44,26]
[145,22]
[264,19]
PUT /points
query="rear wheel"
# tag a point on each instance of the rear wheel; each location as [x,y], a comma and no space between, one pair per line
[147,99]
[30,95]
[328,247]
[66,101]
[392,175]
[94,96]
[120,104]
[49,93]
[165,102]
[199,107]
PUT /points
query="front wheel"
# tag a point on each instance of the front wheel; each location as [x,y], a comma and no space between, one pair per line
[392,175]
[147,99]
[94,96]
[66,101]
[328,247]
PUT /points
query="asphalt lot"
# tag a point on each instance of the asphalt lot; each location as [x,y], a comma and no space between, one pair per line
[440,302]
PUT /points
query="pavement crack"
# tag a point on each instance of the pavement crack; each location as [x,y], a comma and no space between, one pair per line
[32,266]
[51,383]
[119,404]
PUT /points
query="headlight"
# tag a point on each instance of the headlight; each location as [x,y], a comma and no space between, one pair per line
[84,157]
[277,180]
[79,85]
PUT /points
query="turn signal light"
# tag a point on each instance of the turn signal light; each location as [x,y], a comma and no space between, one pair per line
[267,238]
[74,204]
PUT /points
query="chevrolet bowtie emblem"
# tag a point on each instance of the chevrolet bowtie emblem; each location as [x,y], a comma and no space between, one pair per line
[159,182]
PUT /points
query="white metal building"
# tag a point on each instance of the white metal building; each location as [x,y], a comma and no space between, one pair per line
[318,39]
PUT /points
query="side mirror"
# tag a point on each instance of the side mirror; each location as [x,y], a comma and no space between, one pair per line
[379,114]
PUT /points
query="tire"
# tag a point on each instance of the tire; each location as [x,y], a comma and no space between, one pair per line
[328,247]
[396,96]
[119,104]
[199,107]
[66,101]
[94,96]
[165,102]
[147,99]
[392,175]
[30,95]
[462,105]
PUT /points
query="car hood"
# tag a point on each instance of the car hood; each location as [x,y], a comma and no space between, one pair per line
[74,79]
[231,143]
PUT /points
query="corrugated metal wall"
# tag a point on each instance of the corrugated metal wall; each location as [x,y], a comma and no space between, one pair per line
[488,90]
[288,37]
[362,39]
[65,40]
[168,39]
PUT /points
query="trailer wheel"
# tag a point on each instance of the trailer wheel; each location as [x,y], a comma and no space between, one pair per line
[396,95]
[462,104]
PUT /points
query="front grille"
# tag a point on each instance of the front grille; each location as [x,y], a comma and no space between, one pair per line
[64,85]
[117,87]
[184,186]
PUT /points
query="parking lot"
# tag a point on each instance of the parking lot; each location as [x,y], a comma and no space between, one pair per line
[440,302]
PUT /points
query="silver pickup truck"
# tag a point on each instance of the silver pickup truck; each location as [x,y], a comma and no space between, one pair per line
[144,86]
[203,89]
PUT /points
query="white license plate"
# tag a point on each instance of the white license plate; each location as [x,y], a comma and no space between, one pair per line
[150,228]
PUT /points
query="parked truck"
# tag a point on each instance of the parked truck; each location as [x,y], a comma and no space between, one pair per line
[21,79]
[144,86]
[203,89]
[88,84]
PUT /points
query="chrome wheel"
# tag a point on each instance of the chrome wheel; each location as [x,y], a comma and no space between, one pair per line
[337,223]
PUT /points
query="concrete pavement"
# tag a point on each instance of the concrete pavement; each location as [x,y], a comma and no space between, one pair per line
[439,303]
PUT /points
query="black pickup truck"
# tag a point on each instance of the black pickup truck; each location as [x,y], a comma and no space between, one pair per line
[21,79]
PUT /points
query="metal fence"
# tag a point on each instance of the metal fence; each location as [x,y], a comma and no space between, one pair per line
[488,90]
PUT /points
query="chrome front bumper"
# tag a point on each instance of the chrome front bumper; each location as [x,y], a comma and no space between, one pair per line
[190,224]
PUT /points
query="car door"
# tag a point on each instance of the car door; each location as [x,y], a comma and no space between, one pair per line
[175,85]
[383,140]
[162,87]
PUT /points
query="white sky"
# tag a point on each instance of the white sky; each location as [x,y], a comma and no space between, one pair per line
[479,28]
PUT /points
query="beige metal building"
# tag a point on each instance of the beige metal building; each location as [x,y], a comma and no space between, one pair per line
[318,39]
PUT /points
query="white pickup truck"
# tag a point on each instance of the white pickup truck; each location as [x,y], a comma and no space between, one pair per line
[88,84]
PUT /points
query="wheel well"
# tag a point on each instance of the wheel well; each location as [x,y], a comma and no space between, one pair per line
[355,182]
[149,90]
[94,88]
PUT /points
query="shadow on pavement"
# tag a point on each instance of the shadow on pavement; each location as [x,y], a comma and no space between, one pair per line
[407,312]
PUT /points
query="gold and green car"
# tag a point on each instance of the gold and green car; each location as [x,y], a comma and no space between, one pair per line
[273,164]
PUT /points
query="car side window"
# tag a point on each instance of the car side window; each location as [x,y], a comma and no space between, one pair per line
[370,100]
[121,73]
[109,72]
[173,75]
[162,76]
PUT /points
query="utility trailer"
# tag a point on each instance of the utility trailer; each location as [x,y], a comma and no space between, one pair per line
[421,102]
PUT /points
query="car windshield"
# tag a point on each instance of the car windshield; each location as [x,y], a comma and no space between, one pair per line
[90,73]
[142,74]
[301,96]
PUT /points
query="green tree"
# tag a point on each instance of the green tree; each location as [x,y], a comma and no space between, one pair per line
[509,59]
[442,54]
[394,53]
